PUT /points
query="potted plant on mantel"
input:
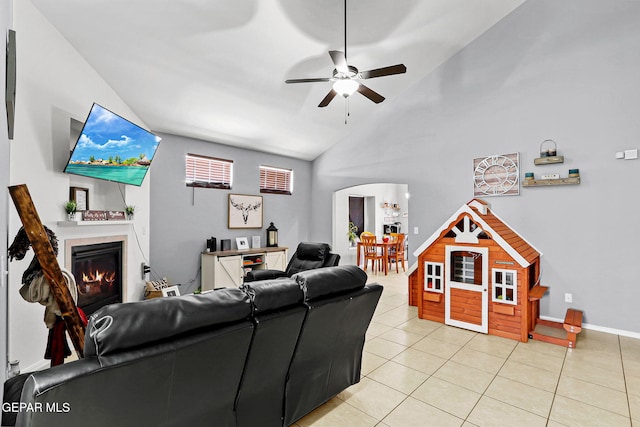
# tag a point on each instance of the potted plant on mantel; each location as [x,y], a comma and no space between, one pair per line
[71,207]
[129,210]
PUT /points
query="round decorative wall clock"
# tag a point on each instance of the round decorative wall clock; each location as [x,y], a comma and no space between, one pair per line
[496,175]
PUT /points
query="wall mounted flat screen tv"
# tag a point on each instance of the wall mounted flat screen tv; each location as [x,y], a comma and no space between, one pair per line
[112,148]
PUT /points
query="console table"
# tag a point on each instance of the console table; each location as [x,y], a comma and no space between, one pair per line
[224,269]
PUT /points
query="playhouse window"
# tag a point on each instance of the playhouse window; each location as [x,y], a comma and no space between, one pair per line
[466,267]
[505,286]
[433,276]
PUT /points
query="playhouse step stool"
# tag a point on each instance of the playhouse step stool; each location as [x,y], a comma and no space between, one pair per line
[572,325]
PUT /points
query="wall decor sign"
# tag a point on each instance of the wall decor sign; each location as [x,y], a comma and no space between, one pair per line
[116,216]
[245,211]
[496,175]
[94,216]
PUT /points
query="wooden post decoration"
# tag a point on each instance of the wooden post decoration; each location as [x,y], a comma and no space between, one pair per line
[49,263]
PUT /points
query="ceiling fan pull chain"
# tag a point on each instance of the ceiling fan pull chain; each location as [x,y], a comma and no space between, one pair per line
[346,110]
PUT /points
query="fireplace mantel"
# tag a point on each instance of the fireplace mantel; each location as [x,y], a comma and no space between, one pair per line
[84,223]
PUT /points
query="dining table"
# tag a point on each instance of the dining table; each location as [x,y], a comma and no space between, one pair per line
[381,243]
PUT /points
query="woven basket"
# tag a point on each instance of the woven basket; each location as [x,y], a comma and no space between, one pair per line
[154,289]
[152,294]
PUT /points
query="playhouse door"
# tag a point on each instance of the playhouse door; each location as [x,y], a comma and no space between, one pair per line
[466,287]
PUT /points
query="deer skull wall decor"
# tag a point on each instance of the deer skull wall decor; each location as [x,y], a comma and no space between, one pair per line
[245,211]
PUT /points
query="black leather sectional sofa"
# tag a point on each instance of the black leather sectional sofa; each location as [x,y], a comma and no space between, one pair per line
[264,355]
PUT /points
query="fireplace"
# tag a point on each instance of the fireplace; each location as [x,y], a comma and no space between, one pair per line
[98,270]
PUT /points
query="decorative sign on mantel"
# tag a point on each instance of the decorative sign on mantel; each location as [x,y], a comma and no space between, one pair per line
[116,215]
[103,216]
[94,216]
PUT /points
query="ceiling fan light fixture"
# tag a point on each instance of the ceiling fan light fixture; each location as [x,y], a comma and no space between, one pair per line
[345,87]
[346,78]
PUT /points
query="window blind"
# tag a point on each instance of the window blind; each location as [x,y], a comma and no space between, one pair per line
[276,180]
[208,172]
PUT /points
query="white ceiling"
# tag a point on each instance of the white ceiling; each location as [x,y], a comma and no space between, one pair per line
[215,69]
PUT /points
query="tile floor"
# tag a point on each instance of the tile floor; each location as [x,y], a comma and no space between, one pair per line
[421,373]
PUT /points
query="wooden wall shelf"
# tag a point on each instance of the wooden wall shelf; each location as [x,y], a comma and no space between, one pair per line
[548,160]
[550,182]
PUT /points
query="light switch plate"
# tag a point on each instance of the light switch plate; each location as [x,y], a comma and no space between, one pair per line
[630,154]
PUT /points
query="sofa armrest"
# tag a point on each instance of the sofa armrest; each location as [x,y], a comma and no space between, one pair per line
[332,260]
[255,275]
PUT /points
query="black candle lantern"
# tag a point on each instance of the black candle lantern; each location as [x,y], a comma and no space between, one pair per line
[272,236]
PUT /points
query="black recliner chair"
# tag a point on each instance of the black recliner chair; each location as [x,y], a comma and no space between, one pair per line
[308,256]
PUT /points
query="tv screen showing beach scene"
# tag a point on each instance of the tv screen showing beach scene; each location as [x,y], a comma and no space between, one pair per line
[112,148]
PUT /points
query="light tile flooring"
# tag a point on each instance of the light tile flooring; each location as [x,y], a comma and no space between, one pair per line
[421,373]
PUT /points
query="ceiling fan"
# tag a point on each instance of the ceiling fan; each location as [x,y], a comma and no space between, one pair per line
[346,78]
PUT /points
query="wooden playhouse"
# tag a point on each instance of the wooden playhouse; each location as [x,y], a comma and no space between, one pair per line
[476,273]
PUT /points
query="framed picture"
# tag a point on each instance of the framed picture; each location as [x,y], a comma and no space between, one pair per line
[245,211]
[255,242]
[496,175]
[242,242]
[171,291]
[81,197]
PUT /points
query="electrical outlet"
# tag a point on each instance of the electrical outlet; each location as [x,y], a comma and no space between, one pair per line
[568,298]
[144,269]
[415,230]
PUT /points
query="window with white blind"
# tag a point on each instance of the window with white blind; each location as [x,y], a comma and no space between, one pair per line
[276,180]
[208,172]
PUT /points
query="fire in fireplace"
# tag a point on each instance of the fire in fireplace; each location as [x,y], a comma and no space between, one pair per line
[97,269]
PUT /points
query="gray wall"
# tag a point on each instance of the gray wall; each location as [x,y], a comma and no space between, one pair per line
[182,218]
[566,70]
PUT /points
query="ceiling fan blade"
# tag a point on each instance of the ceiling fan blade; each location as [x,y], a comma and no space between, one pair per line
[372,95]
[327,99]
[320,79]
[385,71]
[339,60]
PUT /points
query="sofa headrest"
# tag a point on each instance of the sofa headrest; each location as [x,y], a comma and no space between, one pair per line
[312,251]
[323,282]
[270,295]
[124,326]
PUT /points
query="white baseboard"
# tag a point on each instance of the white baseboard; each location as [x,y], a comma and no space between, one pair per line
[599,328]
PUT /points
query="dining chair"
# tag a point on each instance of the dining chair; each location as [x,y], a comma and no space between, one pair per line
[371,252]
[397,252]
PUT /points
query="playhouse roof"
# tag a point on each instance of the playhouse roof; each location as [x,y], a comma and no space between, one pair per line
[512,243]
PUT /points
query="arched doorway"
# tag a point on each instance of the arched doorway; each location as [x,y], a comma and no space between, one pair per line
[380,206]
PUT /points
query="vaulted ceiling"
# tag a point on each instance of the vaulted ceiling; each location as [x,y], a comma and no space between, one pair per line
[215,69]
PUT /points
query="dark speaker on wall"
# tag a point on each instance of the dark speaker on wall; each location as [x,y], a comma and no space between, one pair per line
[10,81]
